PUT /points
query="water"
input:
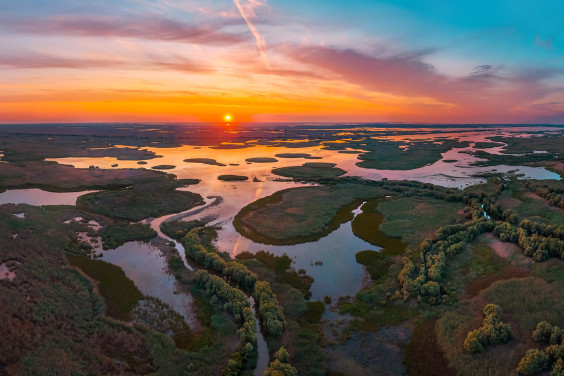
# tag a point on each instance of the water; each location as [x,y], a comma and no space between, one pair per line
[339,274]
[335,251]
[262,348]
[39,197]
[147,268]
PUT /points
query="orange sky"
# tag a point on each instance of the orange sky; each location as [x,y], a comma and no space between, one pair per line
[182,61]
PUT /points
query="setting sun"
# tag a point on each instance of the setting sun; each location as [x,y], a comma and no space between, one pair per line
[227,117]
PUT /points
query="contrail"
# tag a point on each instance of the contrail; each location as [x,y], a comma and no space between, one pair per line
[247,11]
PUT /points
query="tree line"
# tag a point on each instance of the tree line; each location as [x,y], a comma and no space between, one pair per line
[536,361]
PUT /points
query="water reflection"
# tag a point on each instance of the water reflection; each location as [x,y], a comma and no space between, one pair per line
[146,266]
[39,197]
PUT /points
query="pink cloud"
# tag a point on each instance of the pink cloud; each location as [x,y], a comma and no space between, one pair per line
[488,91]
[155,28]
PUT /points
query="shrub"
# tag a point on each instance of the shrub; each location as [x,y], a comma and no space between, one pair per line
[535,361]
[281,366]
[493,331]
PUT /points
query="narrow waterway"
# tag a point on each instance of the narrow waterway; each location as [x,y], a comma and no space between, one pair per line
[262,348]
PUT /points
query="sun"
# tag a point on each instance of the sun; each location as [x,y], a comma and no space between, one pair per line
[227,117]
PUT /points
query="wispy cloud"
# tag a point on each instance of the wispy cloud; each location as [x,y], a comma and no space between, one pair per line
[247,10]
[35,60]
[154,28]
[487,90]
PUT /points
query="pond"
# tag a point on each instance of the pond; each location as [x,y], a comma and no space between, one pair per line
[146,266]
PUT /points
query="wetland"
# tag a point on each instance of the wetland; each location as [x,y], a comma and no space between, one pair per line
[210,250]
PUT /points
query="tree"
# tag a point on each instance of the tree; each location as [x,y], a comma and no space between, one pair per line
[281,366]
[535,361]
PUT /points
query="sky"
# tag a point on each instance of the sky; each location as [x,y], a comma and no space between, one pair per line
[433,61]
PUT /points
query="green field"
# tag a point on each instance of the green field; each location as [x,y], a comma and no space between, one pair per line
[310,170]
[298,215]
[115,234]
[139,202]
[415,218]
[387,155]
[120,293]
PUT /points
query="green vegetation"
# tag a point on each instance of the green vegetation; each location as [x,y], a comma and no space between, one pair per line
[139,202]
[389,155]
[303,339]
[52,176]
[492,332]
[163,167]
[298,215]
[553,192]
[487,145]
[423,355]
[178,229]
[281,366]
[208,258]
[366,226]
[536,361]
[414,218]
[115,234]
[296,155]
[119,292]
[261,160]
[271,313]
[377,263]
[310,170]
[53,319]
[235,302]
[160,317]
[280,265]
[232,178]
[204,161]
[522,198]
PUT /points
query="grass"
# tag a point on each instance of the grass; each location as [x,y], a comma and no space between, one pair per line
[376,263]
[388,155]
[366,226]
[261,160]
[483,267]
[139,202]
[177,229]
[296,155]
[416,218]
[423,355]
[487,145]
[118,233]
[120,293]
[525,302]
[527,205]
[314,312]
[232,177]
[209,161]
[310,170]
[298,215]
[163,167]
[280,265]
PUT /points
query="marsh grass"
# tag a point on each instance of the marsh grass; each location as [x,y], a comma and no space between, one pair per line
[377,264]
[310,170]
[416,218]
[118,233]
[120,293]
[387,155]
[139,202]
[366,226]
[525,302]
[300,215]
